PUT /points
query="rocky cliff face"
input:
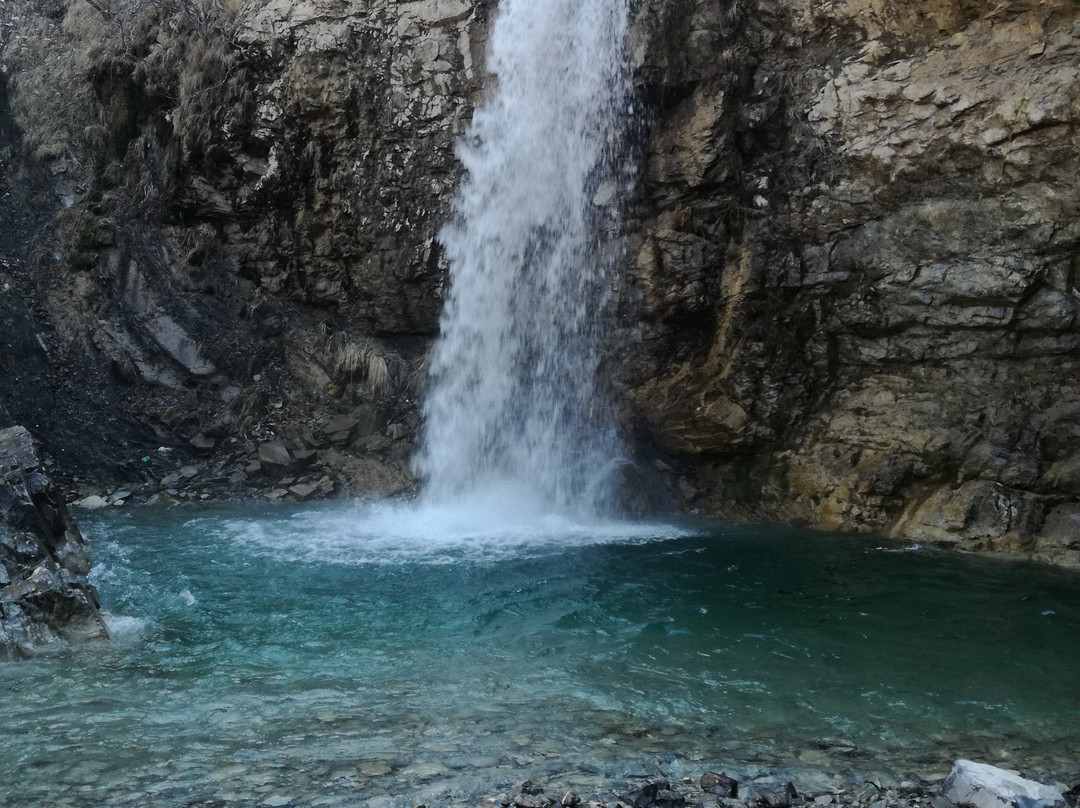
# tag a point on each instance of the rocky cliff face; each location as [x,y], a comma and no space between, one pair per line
[861,257]
[241,279]
[851,276]
[44,596]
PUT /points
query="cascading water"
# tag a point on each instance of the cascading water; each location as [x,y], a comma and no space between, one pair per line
[513,408]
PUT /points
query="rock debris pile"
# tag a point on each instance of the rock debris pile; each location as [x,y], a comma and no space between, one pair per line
[970,785]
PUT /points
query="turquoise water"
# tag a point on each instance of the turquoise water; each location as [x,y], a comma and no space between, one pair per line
[332,656]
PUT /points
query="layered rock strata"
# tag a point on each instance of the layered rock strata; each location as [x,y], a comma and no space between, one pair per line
[858,266]
[243,249]
[44,596]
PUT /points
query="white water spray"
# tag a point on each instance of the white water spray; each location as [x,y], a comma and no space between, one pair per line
[513,412]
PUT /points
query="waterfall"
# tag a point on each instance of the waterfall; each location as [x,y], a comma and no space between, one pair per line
[513,406]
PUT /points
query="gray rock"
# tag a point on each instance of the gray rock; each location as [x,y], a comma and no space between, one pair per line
[44,598]
[979,785]
[303,490]
[657,794]
[172,337]
[275,457]
[91,503]
[340,428]
[203,442]
[719,784]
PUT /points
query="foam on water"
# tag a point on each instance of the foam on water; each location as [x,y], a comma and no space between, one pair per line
[124,629]
[476,529]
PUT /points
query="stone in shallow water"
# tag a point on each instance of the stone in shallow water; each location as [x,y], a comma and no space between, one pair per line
[91,503]
[719,784]
[276,801]
[982,786]
[657,794]
[375,768]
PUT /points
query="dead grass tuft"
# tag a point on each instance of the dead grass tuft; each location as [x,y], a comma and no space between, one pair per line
[364,359]
[248,407]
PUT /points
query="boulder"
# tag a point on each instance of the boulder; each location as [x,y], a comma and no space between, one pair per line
[657,794]
[719,784]
[340,428]
[275,457]
[979,785]
[303,490]
[43,560]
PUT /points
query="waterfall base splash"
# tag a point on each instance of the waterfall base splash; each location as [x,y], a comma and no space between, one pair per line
[505,523]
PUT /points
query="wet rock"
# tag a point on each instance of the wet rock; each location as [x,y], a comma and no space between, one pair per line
[657,794]
[91,503]
[719,784]
[43,557]
[782,798]
[162,499]
[1072,796]
[979,785]
[892,366]
[303,491]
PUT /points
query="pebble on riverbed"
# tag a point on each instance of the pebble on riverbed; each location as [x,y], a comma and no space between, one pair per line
[718,790]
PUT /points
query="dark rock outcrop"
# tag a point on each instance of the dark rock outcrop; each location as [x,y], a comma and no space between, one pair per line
[44,596]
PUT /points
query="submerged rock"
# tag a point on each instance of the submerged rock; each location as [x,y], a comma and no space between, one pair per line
[43,559]
[982,786]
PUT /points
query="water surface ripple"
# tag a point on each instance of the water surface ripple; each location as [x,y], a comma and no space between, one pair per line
[318,654]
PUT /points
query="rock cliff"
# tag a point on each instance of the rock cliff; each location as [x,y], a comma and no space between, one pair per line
[858,266]
[43,561]
[851,276]
[225,249]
